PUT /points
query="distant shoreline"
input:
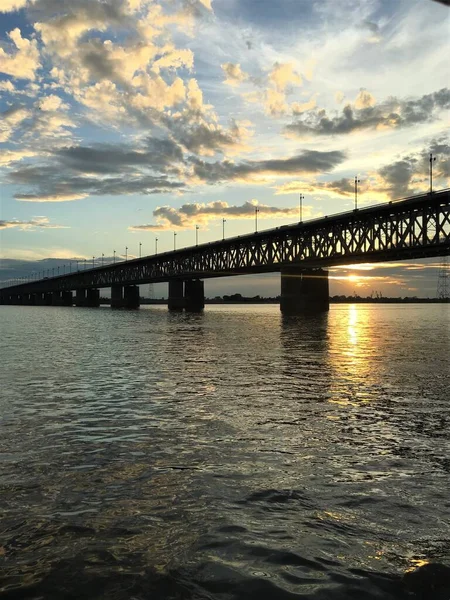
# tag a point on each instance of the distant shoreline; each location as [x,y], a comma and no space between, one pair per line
[333,300]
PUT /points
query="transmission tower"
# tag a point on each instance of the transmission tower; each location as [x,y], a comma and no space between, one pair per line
[443,286]
[151,293]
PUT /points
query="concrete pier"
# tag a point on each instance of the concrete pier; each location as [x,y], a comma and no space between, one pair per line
[125,296]
[194,295]
[116,296]
[80,297]
[176,295]
[304,291]
[131,296]
[66,299]
[93,298]
[188,295]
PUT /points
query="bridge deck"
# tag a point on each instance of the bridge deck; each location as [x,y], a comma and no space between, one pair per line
[416,227]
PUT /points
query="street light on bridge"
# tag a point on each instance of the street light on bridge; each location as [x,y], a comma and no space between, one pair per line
[156,246]
[432,160]
[174,240]
[103,256]
[256,219]
[301,198]
[126,253]
[114,259]
[356,191]
[140,246]
[93,259]
[223,228]
[196,234]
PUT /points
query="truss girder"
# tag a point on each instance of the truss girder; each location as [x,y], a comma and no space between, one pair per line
[417,227]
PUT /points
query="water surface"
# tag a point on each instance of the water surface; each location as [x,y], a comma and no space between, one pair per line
[234,454]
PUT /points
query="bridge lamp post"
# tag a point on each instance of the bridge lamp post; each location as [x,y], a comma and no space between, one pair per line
[93,258]
[256,219]
[432,160]
[356,191]
[301,198]
[223,228]
[126,253]
[103,256]
[174,240]
[196,234]
[140,252]
[85,264]
[114,259]
[156,246]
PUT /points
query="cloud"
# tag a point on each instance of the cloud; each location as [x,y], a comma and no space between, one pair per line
[309,161]
[10,120]
[400,178]
[190,215]
[280,78]
[284,74]
[40,222]
[11,5]
[25,61]
[365,114]
[234,74]
[75,172]
[364,99]
[298,108]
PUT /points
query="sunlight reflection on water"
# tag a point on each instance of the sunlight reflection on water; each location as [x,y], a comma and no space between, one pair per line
[229,454]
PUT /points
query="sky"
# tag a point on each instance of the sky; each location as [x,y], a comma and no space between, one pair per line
[126,121]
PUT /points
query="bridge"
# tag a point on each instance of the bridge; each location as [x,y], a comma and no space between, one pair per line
[411,228]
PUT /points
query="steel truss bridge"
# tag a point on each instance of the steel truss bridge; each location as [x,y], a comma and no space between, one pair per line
[416,227]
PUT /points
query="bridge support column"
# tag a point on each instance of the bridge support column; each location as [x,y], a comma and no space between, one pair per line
[176,296]
[56,299]
[194,295]
[80,297]
[116,296]
[66,299]
[93,298]
[131,297]
[304,290]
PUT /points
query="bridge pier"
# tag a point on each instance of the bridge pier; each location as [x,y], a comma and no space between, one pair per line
[131,296]
[304,290]
[125,296]
[80,297]
[87,297]
[188,295]
[176,295]
[93,298]
[66,299]
[194,295]
[56,299]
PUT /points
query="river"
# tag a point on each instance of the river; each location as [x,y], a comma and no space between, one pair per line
[233,454]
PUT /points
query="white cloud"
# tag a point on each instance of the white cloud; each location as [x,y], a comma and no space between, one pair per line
[10,5]
[39,222]
[23,63]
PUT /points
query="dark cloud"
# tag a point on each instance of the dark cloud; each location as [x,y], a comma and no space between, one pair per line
[309,161]
[410,174]
[391,114]
[77,171]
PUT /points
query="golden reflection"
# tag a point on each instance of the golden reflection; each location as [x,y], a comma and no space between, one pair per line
[353,349]
[415,563]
